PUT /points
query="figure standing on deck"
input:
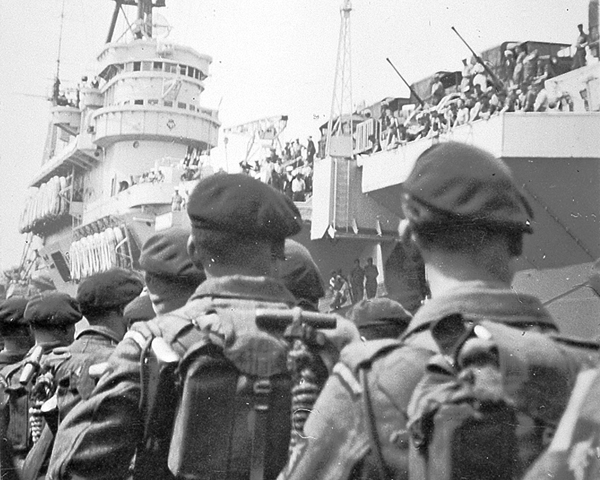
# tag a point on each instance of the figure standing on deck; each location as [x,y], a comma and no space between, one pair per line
[357,282]
[580,44]
[371,274]
[176,201]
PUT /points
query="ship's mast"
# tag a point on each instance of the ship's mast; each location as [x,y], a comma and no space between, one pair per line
[144,17]
[339,127]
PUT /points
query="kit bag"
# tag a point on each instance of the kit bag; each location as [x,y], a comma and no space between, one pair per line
[490,403]
[233,416]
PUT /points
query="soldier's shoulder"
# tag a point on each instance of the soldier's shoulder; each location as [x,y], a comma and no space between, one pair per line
[56,357]
[388,360]
[167,326]
[362,354]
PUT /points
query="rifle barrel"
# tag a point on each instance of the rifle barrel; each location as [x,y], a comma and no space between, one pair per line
[412,90]
[495,78]
[278,318]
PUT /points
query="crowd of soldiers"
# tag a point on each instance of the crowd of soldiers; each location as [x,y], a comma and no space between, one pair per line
[215,362]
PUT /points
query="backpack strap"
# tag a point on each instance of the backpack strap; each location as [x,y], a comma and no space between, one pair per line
[362,354]
[371,427]
[258,420]
[358,358]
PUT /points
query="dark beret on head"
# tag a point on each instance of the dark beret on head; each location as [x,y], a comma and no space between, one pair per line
[139,309]
[52,309]
[242,205]
[42,281]
[300,273]
[459,183]
[111,289]
[165,254]
[12,311]
[376,311]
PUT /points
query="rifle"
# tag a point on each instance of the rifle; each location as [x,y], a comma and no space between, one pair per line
[497,82]
[308,370]
[42,448]
[158,406]
[32,365]
[7,465]
[412,90]
[38,454]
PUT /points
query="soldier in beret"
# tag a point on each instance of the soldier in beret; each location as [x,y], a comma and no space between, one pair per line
[170,275]
[40,282]
[239,227]
[379,318]
[14,331]
[467,217]
[52,317]
[139,309]
[102,298]
[301,276]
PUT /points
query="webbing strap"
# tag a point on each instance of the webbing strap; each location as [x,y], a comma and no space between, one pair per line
[371,427]
[258,422]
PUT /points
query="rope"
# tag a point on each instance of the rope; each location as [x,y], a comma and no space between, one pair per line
[556,218]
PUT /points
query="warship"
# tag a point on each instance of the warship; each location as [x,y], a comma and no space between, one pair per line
[125,149]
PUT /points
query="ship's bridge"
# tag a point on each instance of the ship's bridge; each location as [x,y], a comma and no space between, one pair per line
[137,122]
[117,54]
[151,91]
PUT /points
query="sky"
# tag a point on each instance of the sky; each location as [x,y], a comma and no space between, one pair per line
[270,57]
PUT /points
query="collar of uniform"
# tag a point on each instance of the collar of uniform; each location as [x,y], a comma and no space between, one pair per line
[47,346]
[245,287]
[482,301]
[100,330]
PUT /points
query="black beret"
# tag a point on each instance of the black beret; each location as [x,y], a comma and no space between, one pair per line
[300,273]
[165,254]
[42,281]
[139,309]
[12,311]
[52,308]
[110,289]
[455,182]
[379,318]
[376,311]
[240,204]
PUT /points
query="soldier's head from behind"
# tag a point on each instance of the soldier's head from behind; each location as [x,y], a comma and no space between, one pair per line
[301,275]
[140,309]
[465,212]
[40,282]
[379,317]
[14,329]
[239,225]
[170,275]
[103,297]
[52,317]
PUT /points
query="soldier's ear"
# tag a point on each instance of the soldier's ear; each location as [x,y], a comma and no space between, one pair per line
[193,252]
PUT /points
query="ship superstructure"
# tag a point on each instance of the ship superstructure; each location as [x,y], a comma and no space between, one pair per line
[124,150]
[120,152]
[555,157]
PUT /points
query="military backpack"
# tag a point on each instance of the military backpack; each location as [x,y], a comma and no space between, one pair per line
[223,409]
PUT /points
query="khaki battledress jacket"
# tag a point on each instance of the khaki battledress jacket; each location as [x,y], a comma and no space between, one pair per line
[98,438]
[337,444]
